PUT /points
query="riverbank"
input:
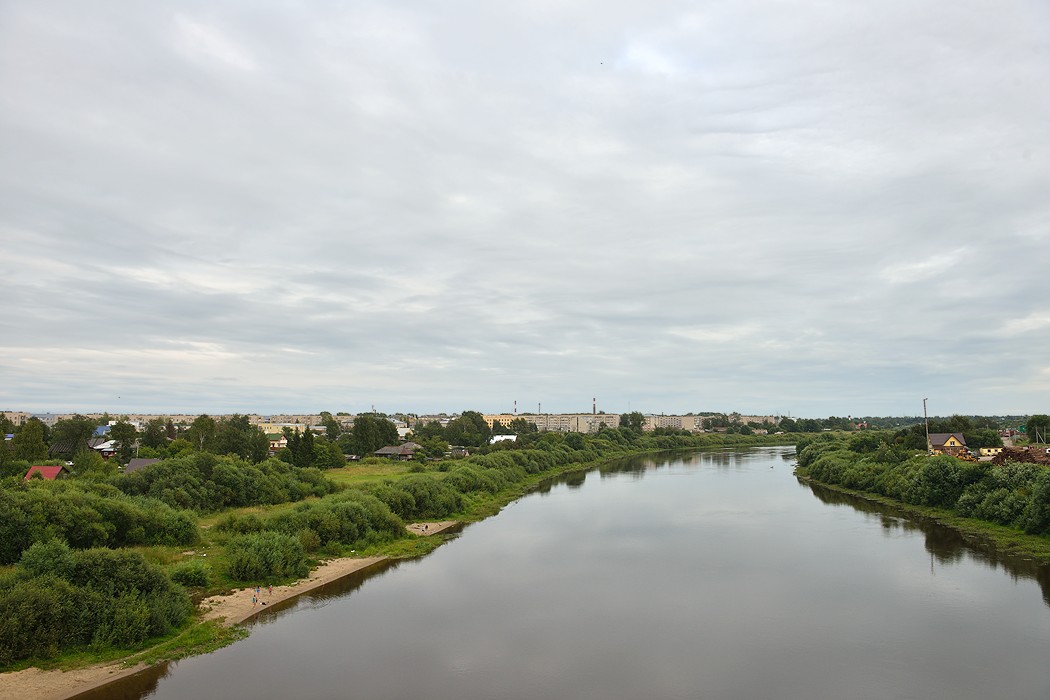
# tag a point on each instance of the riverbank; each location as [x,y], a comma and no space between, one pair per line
[237,607]
[987,537]
[230,609]
[207,632]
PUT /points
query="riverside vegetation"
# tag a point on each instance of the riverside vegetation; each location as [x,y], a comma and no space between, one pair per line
[98,568]
[1007,504]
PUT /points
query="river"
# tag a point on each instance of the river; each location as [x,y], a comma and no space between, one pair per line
[711,575]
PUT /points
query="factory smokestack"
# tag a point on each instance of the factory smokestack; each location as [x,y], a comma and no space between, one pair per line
[594,406]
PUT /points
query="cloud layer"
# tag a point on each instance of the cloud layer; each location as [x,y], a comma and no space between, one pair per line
[814,208]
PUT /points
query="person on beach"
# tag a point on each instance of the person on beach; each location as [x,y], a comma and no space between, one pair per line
[255,600]
[270,586]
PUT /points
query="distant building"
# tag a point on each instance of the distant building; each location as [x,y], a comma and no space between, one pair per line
[401,453]
[48,472]
[138,463]
[953,444]
[502,438]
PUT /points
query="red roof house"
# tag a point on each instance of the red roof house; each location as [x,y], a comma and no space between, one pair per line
[58,471]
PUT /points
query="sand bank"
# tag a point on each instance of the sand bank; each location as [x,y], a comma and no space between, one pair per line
[233,608]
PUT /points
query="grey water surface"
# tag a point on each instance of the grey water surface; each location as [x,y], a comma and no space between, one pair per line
[711,575]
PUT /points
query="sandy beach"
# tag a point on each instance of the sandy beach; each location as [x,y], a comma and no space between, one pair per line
[233,608]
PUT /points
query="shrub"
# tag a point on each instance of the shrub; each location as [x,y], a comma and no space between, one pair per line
[266,555]
[61,599]
[192,574]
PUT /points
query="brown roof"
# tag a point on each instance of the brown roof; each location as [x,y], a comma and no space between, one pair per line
[938,439]
[138,463]
[408,448]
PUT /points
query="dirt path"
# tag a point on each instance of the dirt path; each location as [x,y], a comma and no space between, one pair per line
[34,684]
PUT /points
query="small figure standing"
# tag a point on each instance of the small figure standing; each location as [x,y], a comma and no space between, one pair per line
[254,601]
[270,586]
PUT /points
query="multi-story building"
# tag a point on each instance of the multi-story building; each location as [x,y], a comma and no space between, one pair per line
[17,417]
[559,422]
[690,423]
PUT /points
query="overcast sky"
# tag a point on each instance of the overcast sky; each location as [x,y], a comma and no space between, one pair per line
[764,206]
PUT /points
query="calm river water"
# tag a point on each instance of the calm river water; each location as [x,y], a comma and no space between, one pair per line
[713,575]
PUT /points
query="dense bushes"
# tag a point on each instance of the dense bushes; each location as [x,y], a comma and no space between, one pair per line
[351,518]
[265,555]
[85,514]
[59,599]
[192,574]
[1011,494]
[204,482]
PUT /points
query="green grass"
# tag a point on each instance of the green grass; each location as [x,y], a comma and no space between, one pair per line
[195,638]
[198,638]
[368,471]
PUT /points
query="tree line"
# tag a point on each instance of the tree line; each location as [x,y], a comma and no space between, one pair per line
[1013,494]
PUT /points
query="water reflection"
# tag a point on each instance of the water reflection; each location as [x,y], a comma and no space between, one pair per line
[143,684]
[945,544]
[671,576]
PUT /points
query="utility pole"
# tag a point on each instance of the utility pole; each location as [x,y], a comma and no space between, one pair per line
[927,421]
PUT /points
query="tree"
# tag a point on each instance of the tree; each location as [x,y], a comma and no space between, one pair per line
[28,442]
[520,426]
[169,429]
[202,432]
[301,447]
[435,447]
[235,435]
[88,462]
[124,433]
[982,437]
[422,431]
[331,426]
[634,420]
[328,455]
[470,430]
[959,424]
[71,435]
[370,432]
[1037,427]
[155,435]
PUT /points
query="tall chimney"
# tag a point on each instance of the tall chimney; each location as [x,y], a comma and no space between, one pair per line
[594,406]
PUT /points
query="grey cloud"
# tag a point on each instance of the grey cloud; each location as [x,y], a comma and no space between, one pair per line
[743,206]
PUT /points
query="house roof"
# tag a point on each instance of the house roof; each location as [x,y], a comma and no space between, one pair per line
[138,463]
[938,439]
[407,449]
[48,472]
[500,438]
